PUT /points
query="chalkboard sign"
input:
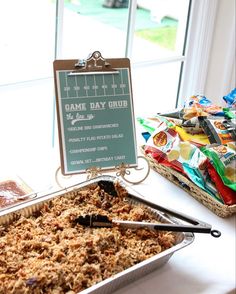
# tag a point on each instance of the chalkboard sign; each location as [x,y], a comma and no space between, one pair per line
[95,113]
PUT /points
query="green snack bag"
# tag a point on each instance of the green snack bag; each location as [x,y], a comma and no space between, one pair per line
[223,159]
[146,124]
[230,113]
[152,123]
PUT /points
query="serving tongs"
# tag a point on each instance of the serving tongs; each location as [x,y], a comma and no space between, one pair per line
[98,220]
[193,225]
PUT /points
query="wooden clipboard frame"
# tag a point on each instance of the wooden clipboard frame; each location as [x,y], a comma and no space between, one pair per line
[94,64]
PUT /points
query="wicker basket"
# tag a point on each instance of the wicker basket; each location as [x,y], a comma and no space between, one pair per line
[180,180]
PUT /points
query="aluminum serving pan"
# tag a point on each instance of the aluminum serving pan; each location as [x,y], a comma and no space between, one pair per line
[118,280]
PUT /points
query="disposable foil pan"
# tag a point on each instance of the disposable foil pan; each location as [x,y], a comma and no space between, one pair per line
[127,276]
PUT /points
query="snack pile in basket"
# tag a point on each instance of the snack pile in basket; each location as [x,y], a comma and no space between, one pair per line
[199,142]
[49,252]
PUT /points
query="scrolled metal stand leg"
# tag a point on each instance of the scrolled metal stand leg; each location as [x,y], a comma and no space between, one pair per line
[57,177]
[123,171]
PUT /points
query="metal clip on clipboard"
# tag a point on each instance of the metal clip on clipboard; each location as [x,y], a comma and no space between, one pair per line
[94,64]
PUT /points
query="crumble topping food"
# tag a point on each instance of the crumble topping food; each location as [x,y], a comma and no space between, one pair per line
[49,252]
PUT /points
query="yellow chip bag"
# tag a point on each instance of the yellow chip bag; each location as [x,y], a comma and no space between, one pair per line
[199,139]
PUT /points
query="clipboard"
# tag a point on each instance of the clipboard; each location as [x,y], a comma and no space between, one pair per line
[95,114]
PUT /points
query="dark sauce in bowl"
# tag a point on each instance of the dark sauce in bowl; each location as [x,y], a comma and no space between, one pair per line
[10,193]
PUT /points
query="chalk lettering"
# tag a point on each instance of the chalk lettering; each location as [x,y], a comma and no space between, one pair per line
[97,105]
[75,107]
[118,104]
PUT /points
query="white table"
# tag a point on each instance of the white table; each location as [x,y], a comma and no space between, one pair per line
[208,265]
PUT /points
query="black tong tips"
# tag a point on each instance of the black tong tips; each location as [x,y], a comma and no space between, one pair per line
[94,221]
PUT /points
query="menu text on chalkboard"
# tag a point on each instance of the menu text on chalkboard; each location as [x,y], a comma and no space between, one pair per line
[95,116]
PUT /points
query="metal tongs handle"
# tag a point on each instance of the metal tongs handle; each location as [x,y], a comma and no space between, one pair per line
[196,226]
[169,227]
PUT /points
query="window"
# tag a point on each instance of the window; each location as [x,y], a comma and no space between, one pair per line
[27,47]
[27,40]
[151,33]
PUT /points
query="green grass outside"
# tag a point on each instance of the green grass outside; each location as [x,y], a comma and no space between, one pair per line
[162,34]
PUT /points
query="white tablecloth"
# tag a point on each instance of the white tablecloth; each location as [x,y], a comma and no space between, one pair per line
[208,265]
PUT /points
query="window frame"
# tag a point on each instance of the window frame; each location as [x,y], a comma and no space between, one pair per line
[197,74]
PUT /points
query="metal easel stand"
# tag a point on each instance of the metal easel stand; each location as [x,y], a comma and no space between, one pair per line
[123,170]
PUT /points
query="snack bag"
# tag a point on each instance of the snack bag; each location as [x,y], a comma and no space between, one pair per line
[228,195]
[192,126]
[230,99]
[160,144]
[193,111]
[152,123]
[196,139]
[196,169]
[200,103]
[167,148]
[167,120]
[173,121]
[230,113]
[148,124]
[218,130]
[161,158]
[223,158]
